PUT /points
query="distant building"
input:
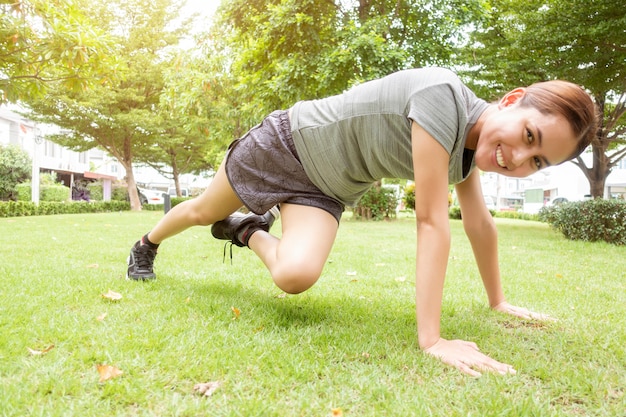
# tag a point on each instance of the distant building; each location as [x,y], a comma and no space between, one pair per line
[70,166]
[49,157]
[562,182]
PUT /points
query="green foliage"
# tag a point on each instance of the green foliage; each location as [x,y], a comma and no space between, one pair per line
[96,193]
[119,193]
[15,167]
[378,203]
[177,200]
[28,208]
[409,196]
[45,42]
[47,192]
[454,212]
[283,51]
[121,116]
[591,220]
[519,42]
[49,189]
[55,193]
[23,191]
[519,215]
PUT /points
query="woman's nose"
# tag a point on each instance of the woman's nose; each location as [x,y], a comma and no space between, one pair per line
[519,157]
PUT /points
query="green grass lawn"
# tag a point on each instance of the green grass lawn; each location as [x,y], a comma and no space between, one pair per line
[349,343]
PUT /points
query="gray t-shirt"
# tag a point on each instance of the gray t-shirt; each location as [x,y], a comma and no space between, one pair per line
[349,141]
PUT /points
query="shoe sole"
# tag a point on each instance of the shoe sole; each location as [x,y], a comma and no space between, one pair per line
[275,211]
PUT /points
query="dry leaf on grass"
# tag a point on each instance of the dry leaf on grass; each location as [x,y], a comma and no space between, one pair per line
[35,352]
[93,266]
[236,312]
[207,388]
[108,372]
[112,295]
[101,317]
[337,412]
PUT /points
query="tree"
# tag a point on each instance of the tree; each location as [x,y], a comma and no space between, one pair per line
[193,132]
[519,42]
[120,117]
[49,41]
[15,168]
[282,51]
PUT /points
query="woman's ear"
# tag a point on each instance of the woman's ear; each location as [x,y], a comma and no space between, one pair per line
[512,97]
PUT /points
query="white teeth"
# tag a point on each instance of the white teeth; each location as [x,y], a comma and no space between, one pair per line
[500,158]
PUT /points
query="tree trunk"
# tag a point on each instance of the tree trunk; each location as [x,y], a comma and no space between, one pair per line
[599,172]
[133,194]
[177,183]
[601,164]
[364,10]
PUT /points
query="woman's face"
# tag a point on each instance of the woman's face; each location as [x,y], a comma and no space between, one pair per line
[517,141]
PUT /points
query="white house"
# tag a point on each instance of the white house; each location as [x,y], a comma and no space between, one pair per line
[71,166]
[561,181]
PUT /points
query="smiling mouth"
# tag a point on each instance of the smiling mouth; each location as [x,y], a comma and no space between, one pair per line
[500,158]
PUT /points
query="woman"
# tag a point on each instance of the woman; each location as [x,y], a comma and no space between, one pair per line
[322,155]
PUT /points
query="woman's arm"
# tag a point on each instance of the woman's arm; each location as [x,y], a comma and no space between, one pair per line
[481,231]
[430,162]
[483,236]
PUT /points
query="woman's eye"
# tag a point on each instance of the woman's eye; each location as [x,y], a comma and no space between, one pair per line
[529,136]
[537,162]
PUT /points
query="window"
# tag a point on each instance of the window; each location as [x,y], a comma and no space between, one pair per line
[49,149]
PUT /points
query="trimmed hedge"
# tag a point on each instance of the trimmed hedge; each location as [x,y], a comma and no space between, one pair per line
[454,213]
[591,220]
[47,192]
[28,208]
[515,215]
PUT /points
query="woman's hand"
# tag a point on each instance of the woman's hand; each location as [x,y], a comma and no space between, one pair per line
[466,357]
[521,312]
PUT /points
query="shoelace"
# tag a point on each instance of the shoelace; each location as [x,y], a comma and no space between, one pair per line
[231,252]
[145,259]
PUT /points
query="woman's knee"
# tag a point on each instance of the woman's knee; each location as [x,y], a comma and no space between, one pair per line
[294,278]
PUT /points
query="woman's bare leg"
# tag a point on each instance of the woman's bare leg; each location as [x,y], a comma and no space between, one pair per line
[297,259]
[216,203]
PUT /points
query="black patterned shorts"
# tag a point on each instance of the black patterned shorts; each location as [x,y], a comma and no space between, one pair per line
[264,170]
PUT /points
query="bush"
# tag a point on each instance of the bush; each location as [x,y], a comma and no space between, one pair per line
[514,215]
[592,220]
[119,193]
[23,192]
[377,204]
[28,208]
[409,196]
[15,167]
[53,192]
[454,213]
[96,192]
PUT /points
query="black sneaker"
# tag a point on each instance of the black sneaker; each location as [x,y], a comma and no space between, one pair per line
[232,226]
[140,262]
